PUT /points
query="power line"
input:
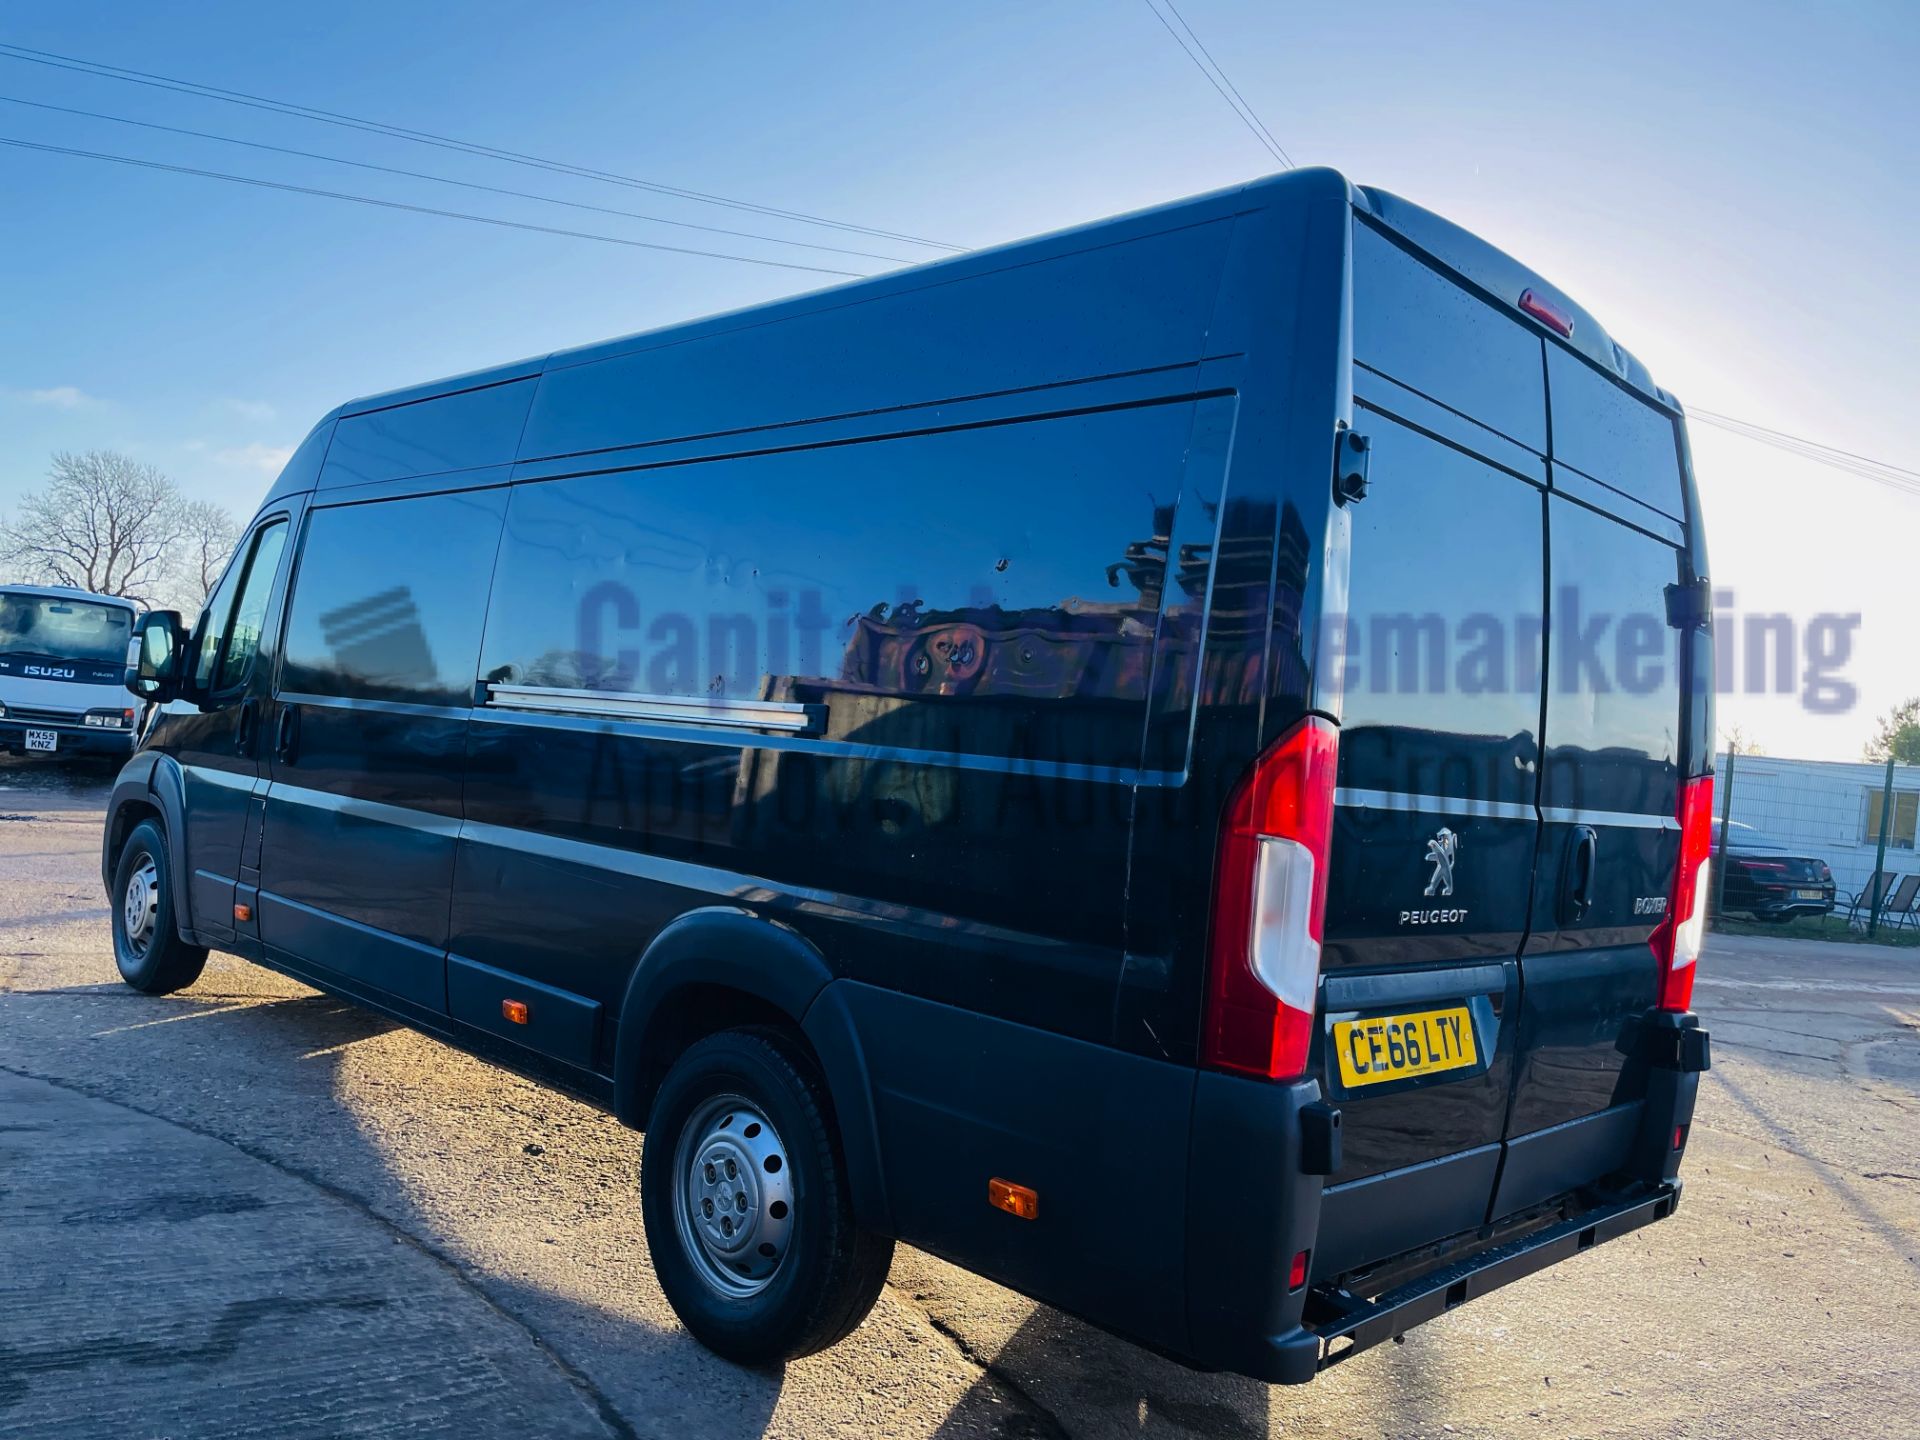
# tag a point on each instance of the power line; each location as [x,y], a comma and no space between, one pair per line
[1711,417]
[1890,475]
[1894,477]
[449,180]
[424,137]
[1247,118]
[420,209]
[1277,146]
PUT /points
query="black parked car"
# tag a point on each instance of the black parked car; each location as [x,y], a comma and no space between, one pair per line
[897,747]
[1769,880]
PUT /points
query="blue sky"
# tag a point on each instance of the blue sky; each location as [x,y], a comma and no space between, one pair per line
[1729,187]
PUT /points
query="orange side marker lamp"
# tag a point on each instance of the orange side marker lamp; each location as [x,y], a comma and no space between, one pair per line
[243,913]
[515,1010]
[1017,1200]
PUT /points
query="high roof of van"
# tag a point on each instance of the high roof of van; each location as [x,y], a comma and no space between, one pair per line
[67,592]
[1483,266]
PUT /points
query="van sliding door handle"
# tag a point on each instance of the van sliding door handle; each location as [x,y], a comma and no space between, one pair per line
[287,735]
[245,724]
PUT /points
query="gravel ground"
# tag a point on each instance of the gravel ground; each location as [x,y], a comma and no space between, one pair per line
[249,1209]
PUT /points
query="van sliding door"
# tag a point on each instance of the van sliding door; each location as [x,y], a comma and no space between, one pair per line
[368,738]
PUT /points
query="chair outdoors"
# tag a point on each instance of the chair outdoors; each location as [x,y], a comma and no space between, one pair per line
[1901,908]
[1871,894]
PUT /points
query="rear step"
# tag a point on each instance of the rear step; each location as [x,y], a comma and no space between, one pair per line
[1353,1324]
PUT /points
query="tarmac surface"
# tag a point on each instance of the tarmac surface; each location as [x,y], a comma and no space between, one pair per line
[251,1210]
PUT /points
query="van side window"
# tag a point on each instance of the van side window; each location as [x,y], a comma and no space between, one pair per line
[389,596]
[992,590]
[250,610]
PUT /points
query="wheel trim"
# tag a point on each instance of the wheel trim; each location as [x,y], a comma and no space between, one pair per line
[140,905]
[733,1196]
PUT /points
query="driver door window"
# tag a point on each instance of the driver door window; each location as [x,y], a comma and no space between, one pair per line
[230,633]
[250,610]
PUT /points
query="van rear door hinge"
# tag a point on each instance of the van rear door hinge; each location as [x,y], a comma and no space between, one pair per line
[1690,606]
[1350,455]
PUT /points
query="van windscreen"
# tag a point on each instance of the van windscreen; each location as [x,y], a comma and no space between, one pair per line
[63,629]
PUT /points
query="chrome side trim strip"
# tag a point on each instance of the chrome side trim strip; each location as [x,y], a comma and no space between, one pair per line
[1445,804]
[376,707]
[788,716]
[1623,819]
[1401,800]
[376,812]
[835,749]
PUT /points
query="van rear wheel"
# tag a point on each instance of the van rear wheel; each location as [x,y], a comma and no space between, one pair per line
[745,1198]
[147,947]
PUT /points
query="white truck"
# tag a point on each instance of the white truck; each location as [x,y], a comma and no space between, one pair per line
[63,659]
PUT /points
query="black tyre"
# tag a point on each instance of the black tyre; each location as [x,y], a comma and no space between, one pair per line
[147,947]
[744,1194]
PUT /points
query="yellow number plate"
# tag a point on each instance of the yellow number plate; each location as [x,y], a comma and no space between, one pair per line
[1398,1047]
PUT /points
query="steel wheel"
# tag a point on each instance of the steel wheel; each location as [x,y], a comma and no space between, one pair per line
[733,1196]
[140,905]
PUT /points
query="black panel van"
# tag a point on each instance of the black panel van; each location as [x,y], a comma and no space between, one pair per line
[1167,764]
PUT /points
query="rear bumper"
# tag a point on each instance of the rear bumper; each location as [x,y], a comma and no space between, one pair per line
[1245,1317]
[1345,1325]
[74,739]
[1174,1201]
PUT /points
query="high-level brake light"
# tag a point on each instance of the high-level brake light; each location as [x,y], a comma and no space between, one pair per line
[1270,900]
[1546,312]
[1676,944]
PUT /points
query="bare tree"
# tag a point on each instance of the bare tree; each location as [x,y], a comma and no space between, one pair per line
[208,541]
[1735,738]
[105,523]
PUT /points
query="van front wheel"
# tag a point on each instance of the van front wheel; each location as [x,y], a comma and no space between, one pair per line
[746,1206]
[147,947]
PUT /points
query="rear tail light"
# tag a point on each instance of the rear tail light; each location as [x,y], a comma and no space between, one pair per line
[1676,944]
[1270,901]
[1762,864]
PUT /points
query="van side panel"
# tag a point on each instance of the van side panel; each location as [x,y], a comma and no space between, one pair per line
[1130,303]
[968,603]
[1281,543]
[461,431]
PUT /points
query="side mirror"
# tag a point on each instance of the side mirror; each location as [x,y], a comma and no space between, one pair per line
[156,655]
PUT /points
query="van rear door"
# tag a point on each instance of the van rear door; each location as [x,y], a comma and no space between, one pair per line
[1436,826]
[1609,785]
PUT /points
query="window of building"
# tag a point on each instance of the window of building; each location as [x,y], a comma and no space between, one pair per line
[1900,830]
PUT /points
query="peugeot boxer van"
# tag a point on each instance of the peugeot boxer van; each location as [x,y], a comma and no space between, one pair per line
[1166,764]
